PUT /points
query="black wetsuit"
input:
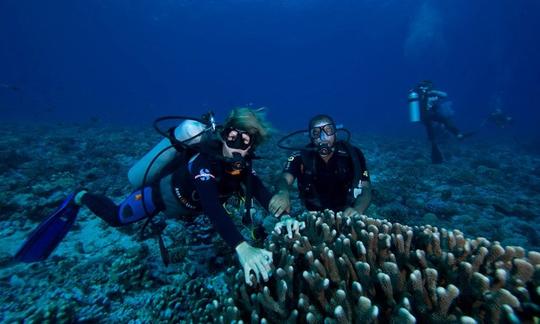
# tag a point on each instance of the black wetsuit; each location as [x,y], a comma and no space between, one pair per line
[429,113]
[326,185]
[430,102]
[499,119]
[201,186]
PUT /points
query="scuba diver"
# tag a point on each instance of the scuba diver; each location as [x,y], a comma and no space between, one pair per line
[331,173]
[425,106]
[213,167]
[499,119]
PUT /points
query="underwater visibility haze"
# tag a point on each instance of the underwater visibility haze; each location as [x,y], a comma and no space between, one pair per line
[451,226]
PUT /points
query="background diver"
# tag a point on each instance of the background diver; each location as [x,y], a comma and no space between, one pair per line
[425,105]
[499,119]
[331,173]
[220,166]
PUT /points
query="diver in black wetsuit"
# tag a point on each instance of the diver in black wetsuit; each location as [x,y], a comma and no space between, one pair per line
[430,113]
[499,119]
[202,185]
[325,174]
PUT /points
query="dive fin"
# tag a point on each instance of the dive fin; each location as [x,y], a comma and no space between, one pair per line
[46,237]
[436,155]
[468,134]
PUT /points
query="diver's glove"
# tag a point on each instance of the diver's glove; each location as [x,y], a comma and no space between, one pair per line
[350,212]
[280,203]
[254,259]
[291,224]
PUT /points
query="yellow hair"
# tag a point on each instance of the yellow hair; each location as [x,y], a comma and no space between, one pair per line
[251,120]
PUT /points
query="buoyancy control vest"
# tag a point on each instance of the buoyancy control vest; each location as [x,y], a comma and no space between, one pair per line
[307,182]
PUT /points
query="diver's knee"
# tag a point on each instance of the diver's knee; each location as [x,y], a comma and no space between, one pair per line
[140,204]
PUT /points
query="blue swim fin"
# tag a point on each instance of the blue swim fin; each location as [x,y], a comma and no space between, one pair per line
[46,237]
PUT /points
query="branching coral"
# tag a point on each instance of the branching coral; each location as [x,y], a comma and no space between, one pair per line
[364,270]
[174,304]
[130,272]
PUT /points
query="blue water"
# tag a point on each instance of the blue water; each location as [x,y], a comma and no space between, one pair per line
[131,61]
[75,73]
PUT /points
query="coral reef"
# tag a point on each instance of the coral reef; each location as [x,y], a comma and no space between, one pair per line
[365,270]
[339,270]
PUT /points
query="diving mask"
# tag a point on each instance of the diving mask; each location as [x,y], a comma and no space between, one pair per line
[316,131]
[237,139]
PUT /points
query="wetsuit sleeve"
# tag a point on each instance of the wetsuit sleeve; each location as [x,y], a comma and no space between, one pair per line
[206,186]
[293,165]
[439,94]
[260,192]
[364,176]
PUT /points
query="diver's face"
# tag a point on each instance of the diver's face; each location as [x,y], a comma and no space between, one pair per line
[228,152]
[323,133]
[236,141]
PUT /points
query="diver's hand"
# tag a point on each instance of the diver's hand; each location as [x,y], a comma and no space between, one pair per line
[280,203]
[291,224]
[252,258]
[350,212]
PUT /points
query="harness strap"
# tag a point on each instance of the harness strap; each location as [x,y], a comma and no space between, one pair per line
[309,173]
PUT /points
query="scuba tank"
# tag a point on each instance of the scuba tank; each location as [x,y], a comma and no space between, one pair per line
[149,167]
[183,132]
[414,106]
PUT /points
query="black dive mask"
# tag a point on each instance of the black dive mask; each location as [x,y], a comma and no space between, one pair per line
[237,139]
[322,148]
[316,131]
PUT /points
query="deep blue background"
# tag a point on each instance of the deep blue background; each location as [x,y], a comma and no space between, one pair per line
[130,61]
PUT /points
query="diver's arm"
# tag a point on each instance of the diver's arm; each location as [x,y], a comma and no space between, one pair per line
[252,259]
[206,186]
[361,203]
[285,183]
[438,93]
[212,208]
[291,171]
[260,192]
[281,202]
